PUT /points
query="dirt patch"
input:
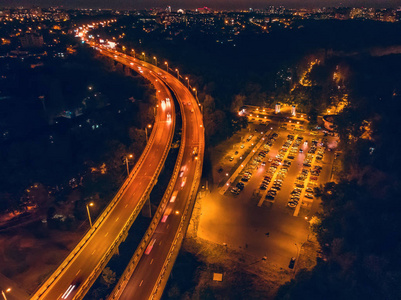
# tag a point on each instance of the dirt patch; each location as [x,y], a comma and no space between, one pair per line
[28,257]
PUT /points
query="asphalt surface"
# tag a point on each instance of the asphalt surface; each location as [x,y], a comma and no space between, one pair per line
[238,221]
[91,254]
[143,279]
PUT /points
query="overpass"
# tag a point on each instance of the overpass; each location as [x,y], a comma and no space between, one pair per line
[73,278]
[146,275]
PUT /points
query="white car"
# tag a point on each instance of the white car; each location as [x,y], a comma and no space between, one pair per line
[168,117]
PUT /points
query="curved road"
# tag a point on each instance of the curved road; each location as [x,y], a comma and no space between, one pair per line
[97,243]
[143,280]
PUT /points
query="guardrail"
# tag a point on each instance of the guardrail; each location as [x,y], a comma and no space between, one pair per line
[98,269]
[176,245]
[185,219]
[173,252]
[55,275]
[129,270]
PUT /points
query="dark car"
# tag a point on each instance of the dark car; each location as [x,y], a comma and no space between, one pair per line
[292,263]
[240,185]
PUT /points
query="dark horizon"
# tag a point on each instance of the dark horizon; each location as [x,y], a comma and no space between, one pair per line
[185,4]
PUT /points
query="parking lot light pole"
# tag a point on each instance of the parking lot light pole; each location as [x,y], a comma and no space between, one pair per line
[296,258]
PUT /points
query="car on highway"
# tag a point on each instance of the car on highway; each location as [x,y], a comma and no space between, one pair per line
[150,247]
[182,171]
[310,196]
[69,290]
[168,117]
[231,158]
[242,146]
[183,182]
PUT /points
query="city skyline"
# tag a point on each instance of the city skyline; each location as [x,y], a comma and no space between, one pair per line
[185,4]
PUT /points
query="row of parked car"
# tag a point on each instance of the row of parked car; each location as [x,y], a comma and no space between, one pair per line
[295,146]
[296,195]
[238,188]
[259,158]
[276,162]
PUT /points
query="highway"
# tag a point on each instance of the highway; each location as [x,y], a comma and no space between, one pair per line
[75,275]
[143,280]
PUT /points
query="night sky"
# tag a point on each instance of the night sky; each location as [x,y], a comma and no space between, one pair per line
[190,4]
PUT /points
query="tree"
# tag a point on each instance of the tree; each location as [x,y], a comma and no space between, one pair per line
[108,277]
[237,103]
[313,116]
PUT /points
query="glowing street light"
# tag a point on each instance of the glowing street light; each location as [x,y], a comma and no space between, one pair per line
[126,162]
[89,214]
[178,73]
[196,94]
[132,50]
[155,58]
[166,63]
[4,293]
[144,56]
[146,131]
[187,79]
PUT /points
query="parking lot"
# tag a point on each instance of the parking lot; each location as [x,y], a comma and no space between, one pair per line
[263,202]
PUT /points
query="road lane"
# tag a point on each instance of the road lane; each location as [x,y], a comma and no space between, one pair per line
[98,244]
[146,274]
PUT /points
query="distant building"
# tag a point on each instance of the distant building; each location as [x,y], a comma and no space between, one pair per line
[32,40]
[398,15]
[277,108]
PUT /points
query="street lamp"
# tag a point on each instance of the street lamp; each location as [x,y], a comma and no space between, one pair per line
[89,214]
[178,73]
[155,58]
[296,258]
[146,131]
[166,63]
[196,94]
[132,50]
[4,293]
[187,79]
[144,57]
[126,162]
